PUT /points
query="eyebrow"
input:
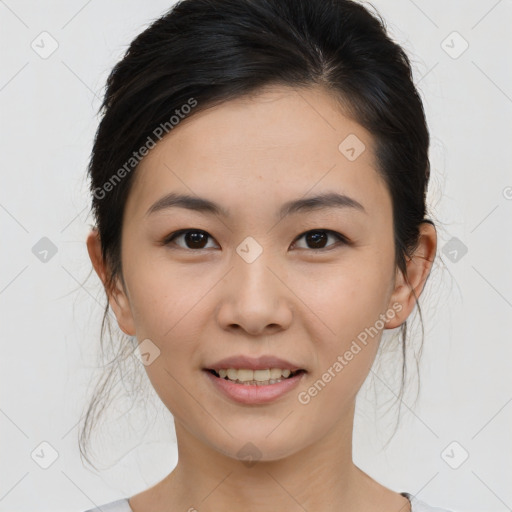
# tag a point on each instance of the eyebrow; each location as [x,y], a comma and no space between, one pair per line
[203,205]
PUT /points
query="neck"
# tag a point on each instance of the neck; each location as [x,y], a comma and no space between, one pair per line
[320,476]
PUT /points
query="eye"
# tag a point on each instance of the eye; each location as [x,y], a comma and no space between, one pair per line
[197,238]
[318,237]
[194,238]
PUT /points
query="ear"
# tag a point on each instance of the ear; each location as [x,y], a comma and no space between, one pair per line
[418,269]
[117,296]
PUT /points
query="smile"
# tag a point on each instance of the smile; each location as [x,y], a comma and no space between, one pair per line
[247,376]
[254,386]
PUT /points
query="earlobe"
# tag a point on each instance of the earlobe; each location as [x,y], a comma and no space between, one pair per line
[408,288]
[121,306]
[116,295]
[398,297]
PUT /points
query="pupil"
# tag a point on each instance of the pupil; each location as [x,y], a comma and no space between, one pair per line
[193,238]
[318,237]
[196,239]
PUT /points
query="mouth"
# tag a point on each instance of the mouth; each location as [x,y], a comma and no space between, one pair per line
[248,377]
[254,387]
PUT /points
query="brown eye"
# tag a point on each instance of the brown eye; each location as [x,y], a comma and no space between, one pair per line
[196,239]
[193,238]
[317,239]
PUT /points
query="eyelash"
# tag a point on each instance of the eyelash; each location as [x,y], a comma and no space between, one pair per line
[341,239]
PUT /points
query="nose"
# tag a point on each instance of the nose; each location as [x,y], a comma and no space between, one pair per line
[254,298]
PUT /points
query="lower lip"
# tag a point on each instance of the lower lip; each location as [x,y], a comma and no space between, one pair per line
[253,394]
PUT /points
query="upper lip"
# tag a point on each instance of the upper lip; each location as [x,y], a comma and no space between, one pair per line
[253,363]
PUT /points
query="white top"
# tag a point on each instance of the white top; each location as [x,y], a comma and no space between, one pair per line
[123,506]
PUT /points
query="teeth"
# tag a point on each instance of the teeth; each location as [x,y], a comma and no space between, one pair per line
[246,375]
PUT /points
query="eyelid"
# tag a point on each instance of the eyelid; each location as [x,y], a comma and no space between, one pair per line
[175,234]
[341,238]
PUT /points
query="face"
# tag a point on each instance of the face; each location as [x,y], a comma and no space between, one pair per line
[313,285]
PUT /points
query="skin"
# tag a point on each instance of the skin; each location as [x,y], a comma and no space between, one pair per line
[295,301]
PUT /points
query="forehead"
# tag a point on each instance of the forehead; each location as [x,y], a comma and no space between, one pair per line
[271,146]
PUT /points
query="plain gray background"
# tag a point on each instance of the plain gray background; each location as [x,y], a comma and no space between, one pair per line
[50,323]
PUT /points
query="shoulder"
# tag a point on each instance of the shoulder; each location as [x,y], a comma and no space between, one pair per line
[420,506]
[114,506]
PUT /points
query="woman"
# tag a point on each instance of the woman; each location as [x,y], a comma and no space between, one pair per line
[259,180]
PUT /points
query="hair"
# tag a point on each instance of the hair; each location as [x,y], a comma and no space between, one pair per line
[217,50]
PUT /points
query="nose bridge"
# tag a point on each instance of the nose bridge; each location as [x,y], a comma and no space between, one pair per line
[253,279]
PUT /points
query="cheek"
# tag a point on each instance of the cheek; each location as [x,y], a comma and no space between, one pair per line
[349,306]
[347,303]
[165,297]
[347,296]
[167,309]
